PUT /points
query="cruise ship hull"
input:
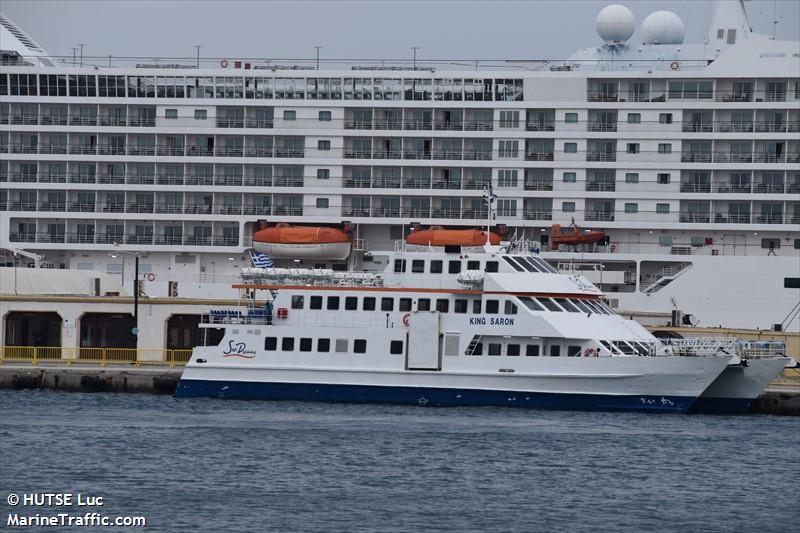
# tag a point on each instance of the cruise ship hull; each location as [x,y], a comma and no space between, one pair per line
[666,384]
[737,387]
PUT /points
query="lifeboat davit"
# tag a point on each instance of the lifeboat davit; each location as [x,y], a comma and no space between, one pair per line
[438,236]
[573,235]
[284,241]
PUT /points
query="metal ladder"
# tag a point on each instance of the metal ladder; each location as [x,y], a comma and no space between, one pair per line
[472,345]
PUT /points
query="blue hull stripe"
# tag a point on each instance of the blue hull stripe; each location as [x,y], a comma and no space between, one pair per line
[427,396]
[721,405]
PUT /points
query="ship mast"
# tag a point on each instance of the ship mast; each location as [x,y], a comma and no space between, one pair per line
[489,197]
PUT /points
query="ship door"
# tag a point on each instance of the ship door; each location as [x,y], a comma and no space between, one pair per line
[424,348]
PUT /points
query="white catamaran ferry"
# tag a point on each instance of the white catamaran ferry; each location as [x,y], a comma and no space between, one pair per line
[453,325]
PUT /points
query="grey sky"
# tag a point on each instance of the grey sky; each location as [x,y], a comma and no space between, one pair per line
[443,29]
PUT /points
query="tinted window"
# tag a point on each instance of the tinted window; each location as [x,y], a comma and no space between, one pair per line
[396,347]
[460,306]
[531,304]
[573,351]
[424,304]
[492,266]
[341,345]
[510,308]
[442,305]
[360,346]
[287,344]
[473,265]
[476,307]
[404,304]
[478,349]
[351,303]
[369,303]
[297,301]
[454,267]
[512,349]
[555,350]
[532,350]
[549,304]
[399,265]
[494,348]
[333,303]
[566,304]
[514,265]
[436,267]
[315,302]
[492,307]
[323,345]
[582,306]
[270,343]
[305,344]
[417,266]
[387,304]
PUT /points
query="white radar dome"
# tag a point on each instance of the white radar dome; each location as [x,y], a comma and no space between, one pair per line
[662,27]
[615,24]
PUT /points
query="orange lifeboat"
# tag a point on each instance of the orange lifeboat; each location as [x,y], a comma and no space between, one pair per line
[438,236]
[573,235]
[284,241]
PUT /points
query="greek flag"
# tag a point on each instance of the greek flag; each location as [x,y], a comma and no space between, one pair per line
[261,260]
[489,198]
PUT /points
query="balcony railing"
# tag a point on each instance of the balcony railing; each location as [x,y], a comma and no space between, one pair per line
[768,188]
[600,186]
[287,210]
[234,122]
[602,126]
[695,187]
[478,125]
[259,123]
[537,214]
[540,126]
[698,127]
[289,152]
[601,156]
[599,216]
[530,185]
[538,156]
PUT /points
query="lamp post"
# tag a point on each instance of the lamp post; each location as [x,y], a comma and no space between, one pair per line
[135,255]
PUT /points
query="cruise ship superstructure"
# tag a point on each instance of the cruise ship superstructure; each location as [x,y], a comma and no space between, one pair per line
[687,156]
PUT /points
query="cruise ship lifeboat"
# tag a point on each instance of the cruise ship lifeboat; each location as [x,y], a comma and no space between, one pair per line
[438,236]
[303,242]
[573,235]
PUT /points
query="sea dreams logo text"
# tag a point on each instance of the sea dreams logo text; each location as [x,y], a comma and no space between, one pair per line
[238,349]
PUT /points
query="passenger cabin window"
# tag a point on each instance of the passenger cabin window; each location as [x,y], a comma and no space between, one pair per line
[323,345]
[360,346]
[387,304]
[369,303]
[442,305]
[532,350]
[573,351]
[436,267]
[473,265]
[582,306]
[298,301]
[491,266]
[315,302]
[549,304]
[418,266]
[396,347]
[512,350]
[404,304]
[494,348]
[399,265]
[424,304]
[492,307]
[531,304]
[341,345]
[566,304]
[555,350]
[333,303]
[270,344]
[478,349]
[287,344]
[476,306]
[460,306]
[513,264]
[510,308]
[305,344]
[454,267]
[351,303]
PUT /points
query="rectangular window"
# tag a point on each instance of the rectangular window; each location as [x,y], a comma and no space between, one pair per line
[665,240]
[418,266]
[664,148]
[662,209]
[633,148]
[770,244]
[555,350]
[569,177]
[508,149]
[368,304]
[200,114]
[298,301]
[315,302]
[631,177]
[571,118]
[573,351]
[305,344]
[322,203]
[510,308]
[387,304]
[399,265]
[424,304]
[396,347]
[495,348]
[171,113]
[289,115]
[476,306]
[404,304]
[570,148]
[568,207]
[634,118]
[442,305]
[360,346]
[663,178]
[287,344]
[492,307]
[333,303]
[512,350]
[341,345]
[665,118]
[532,350]
[453,267]
[324,146]
[323,173]
[506,178]
[436,266]
[492,266]
[509,119]
[460,306]
[324,116]
[351,303]
[631,208]
[270,344]
[323,345]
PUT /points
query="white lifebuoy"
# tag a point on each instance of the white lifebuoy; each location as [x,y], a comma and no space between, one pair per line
[675,65]
[406,319]
[151,277]
[224,63]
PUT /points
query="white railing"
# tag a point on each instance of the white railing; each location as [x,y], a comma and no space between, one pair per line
[745,349]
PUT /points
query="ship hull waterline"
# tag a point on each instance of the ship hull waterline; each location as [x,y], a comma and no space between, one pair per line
[738,386]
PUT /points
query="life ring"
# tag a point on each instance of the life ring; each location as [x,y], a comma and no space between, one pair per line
[224,63]
[406,319]
[590,352]
[151,277]
[674,65]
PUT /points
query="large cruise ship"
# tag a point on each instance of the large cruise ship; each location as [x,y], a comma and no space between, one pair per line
[683,159]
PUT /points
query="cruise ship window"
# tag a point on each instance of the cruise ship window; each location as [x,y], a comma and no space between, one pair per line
[582,306]
[315,302]
[492,307]
[631,208]
[454,267]
[333,303]
[360,346]
[289,115]
[524,264]
[323,345]
[442,305]
[549,304]
[510,308]
[555,350]
[634,118]
[424,304]
[597,307]
[436,266]
[569,177]
[387,304]
[323,203]
[633,148]
[460,306]
[568,207]
[324,116]
[664,148]
[396,347]
[418,266]
[341,345]
[200,114]
[473,265]
[532,350]
[566,304]
[404,304]
[665,118]
[305,344]
[663,178]
[631,177]
[513,264]
[570,148]
[351,303]
[287,344]
[323,146]
[492,266]
[573,351]
[476,306]
[298,301]
[270,343]
[512,350]
[606,308]
[665,240]
[571,118]
[530,303]
[323,173]
[171,113]
[368,304]
[495,348]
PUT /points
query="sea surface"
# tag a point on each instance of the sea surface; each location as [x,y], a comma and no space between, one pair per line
[222,465]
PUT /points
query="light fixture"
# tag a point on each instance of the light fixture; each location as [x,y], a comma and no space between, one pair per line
[230,259]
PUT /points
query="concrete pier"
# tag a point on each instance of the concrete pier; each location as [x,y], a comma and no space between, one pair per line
[86,378]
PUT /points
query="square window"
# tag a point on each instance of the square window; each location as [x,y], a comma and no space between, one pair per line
[571,118]
[495,348]
[289,115]
[200,114]
[454,267]
[322,203]
[270,344]
[473,265]
[532,350]
[573,351]
[387,304]
[663,179]
[555,350]
[568,207]
[460,306]
[664,148]
[476,307]
[333,303]
[665,118]
[697,241]
[298,301]
[634,118]
[512,350]
[631,177]
[492,266]
[396,347]
[351,303]
[360,346]
[368,304]
[631,208]
[323,173]
[442,305]
[323,345]
[341,345]
[305,344]
[171,113]
[399,265]
[436,266]
[324,116]
[492,307]
[315,302]
[569,177]
[797,244]
[324,146]
[662,209]
[633,148]
[424,304]
[287,344]
[418,266]
[510,308]
[665,240]
[570,148]
[404,304]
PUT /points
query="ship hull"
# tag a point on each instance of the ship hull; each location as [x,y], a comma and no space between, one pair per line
[738,386]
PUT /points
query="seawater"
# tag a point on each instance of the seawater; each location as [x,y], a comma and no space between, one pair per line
[219,465]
